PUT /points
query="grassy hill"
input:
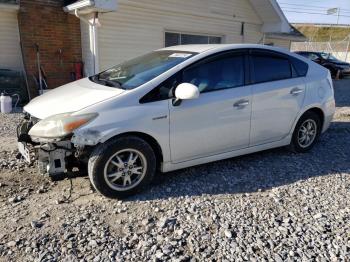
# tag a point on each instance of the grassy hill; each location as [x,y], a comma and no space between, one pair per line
[321,34]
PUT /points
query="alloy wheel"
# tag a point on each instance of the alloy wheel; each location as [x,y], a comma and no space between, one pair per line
[125,169]
[307,133]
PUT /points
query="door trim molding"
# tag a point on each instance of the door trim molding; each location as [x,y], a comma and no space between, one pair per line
[168,166]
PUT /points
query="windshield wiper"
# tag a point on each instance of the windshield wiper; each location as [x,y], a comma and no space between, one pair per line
[111,83]
[106,82]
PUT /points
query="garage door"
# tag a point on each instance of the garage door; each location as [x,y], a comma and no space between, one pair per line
[10,51]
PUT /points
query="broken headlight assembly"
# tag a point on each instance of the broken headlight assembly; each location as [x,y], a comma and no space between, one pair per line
[59,126]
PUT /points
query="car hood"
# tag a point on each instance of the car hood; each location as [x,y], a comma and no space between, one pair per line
[338,62]
[70,98]
[343,64]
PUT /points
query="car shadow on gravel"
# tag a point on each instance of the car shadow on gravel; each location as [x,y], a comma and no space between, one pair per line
[257,172]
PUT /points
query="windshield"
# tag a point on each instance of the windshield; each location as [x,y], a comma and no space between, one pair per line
[140,70]
[328,56]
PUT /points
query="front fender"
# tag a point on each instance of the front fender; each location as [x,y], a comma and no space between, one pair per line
[150,119]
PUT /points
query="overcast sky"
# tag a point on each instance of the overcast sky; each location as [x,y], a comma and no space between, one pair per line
[301,11]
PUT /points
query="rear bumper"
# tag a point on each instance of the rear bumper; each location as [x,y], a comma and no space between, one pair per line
[329,111]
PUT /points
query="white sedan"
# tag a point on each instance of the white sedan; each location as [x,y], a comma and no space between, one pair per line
[178,107]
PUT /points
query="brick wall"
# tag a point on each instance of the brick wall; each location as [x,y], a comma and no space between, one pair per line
[58,35]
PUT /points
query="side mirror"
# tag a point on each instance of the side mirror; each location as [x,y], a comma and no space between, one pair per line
[185,91]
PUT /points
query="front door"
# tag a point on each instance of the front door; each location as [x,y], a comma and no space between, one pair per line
[219,120]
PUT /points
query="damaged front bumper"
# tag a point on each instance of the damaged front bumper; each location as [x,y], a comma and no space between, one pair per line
[53,156]
[25,142]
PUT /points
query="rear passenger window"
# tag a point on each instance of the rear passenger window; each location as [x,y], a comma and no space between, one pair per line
[270,68]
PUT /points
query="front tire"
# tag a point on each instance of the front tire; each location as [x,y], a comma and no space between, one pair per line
[306,133]
[122,167]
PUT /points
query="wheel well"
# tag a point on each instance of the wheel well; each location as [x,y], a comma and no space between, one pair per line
[151,141]
[318,112]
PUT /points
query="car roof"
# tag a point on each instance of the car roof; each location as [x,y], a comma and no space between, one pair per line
[219,47]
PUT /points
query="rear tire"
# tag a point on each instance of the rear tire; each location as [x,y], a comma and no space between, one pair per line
[306,133]
[122,167]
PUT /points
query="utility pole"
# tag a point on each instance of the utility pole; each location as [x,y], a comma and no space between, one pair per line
[333,11]
[347,49]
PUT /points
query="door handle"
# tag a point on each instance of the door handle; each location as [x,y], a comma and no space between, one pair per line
[296,91]
[241,103]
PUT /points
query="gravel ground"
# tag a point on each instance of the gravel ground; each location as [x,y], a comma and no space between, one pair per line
[268,206]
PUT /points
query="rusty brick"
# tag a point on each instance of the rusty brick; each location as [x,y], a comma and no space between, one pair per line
[44,22]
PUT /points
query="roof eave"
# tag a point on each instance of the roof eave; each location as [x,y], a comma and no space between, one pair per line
[92,6]
[271,15]
[80,5]
[9,7]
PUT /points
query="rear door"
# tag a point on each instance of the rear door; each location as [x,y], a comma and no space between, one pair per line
[278,95]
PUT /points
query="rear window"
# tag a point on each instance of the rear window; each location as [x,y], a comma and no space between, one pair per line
[306,55]
[270,68]
[300,67]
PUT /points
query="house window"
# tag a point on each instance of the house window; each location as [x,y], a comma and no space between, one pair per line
[187,39]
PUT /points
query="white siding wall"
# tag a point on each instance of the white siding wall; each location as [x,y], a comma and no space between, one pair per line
[10,50]
[279,42]
[139,25]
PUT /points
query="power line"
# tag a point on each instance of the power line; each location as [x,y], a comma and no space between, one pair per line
[314,6]
[312,9]
[300,5]
[312,13]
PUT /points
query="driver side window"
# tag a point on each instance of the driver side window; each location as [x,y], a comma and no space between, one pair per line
[164,91]
[211,74]
[224,72]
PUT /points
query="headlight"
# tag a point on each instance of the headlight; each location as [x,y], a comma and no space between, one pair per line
[60,125]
